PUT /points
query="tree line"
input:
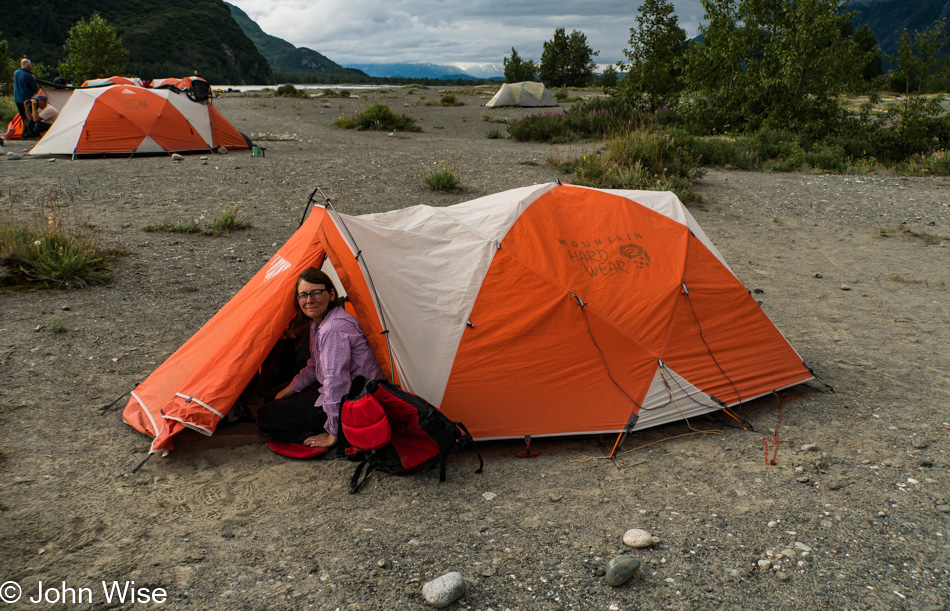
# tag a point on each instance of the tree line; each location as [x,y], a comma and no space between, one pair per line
[762,64]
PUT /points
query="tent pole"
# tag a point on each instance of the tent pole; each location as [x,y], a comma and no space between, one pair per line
[369,279]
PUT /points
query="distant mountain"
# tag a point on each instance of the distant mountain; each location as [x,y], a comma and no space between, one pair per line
[410,70]
[164,37]
[486,70]
[289,62]
[889,18]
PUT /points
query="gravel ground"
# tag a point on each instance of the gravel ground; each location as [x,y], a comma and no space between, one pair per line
[855,514]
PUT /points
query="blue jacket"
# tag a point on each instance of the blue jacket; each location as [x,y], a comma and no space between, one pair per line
[24,86]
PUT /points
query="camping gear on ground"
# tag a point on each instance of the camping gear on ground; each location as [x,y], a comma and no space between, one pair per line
[295,450]
[543,310]
[402,432]
[130,120]
[526,93]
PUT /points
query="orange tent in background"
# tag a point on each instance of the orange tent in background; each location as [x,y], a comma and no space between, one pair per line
[544,310]
[127,120]
[113,80]
[159,82]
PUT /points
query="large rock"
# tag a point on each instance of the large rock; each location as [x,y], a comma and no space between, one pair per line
[445,590]
[637,537]
[621,569]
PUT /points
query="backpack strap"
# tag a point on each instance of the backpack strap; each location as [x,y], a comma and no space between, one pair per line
[355,481]
[468,440]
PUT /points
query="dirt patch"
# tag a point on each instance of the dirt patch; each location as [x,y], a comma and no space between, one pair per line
[859,501]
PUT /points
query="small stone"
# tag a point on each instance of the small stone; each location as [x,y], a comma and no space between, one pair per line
[637,537]
[764,564]
[758,291]
[836,484]
[788,553]
[782,576]
[65,308]
[177,157]
[919,442]
[802,546]
[222,150]
[927,464]
[555,498]
[204,163]
[488,496]
[445,590]
[809,447]
[52,160]
[772,524]
[385,564]
[204,158]
[943,508]
[826,523]
[13,156]
[488,572]
[845,287]
[817,275]
[620,569]
[802,479]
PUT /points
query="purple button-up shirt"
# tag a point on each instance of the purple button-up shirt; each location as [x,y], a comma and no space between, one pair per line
[339,353]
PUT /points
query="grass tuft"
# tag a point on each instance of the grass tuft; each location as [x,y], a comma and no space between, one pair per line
[494,135]
[48,251]
[230,219]
[442,178]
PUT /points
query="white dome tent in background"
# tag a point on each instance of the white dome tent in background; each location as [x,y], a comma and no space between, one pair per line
[527,93]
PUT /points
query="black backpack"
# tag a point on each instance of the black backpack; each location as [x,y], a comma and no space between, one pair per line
[399,432]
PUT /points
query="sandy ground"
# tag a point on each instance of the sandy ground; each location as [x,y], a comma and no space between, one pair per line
[853,515]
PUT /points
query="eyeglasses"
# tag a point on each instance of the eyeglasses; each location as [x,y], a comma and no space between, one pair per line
[315,294]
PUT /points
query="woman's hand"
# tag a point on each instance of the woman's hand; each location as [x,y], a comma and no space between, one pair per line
[285,393]
[323,440]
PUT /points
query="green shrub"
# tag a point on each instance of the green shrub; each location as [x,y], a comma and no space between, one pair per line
[378,117]
[7,112]
[598,118]
[442,178]
[450,100]
[642,159]
[47,251]
[289,91]
[561,95]
[494,135]
[933,162]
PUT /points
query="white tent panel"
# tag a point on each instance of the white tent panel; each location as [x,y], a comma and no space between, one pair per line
[672,398]
[149,146]
[63,136]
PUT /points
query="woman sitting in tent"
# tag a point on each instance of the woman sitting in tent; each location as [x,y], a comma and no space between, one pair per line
[308,410]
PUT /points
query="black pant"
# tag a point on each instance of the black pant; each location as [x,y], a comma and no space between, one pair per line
[294,418]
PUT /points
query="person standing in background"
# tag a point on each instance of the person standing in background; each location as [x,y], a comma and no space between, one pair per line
[24,88]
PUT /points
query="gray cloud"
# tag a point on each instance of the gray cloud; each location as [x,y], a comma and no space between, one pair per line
[450,31]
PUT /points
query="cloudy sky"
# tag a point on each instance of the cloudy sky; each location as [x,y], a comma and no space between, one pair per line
[450,31]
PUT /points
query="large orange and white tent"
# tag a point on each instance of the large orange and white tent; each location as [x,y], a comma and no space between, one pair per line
[544,310]
[127,120]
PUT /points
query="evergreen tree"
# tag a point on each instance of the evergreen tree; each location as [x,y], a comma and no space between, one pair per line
[93,50]
[567,60]
[609,79]
[518,70]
